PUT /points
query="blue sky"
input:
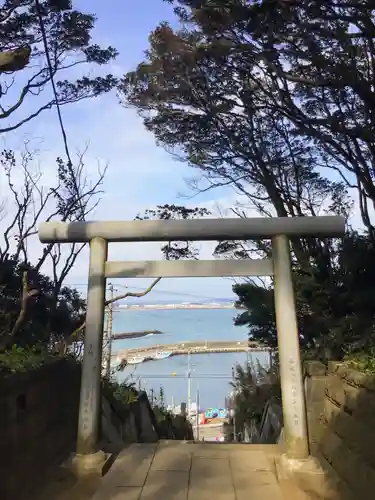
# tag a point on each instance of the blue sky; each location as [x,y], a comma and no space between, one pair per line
[140,175]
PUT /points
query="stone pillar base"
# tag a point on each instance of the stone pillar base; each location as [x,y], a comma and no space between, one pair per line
[307,473]
[84,465]
[288,467]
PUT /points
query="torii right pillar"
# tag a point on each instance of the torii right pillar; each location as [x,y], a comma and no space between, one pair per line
[292,387]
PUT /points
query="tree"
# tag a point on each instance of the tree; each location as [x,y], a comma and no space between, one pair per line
[161,400]
[30,310]
[251,95]
[259,313]
[233,59]
[175,250]
[34,307]
[34,202]
[53,38]
[76,334]
[310,63]
[321,80]
[194,95]
[335,317]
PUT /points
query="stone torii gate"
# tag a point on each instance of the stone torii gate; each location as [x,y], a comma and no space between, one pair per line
[279,230]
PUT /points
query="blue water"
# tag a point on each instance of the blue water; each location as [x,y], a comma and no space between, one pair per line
[210,373]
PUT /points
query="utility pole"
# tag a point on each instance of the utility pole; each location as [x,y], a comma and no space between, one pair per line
[197,418]
[107,338]
[189,385]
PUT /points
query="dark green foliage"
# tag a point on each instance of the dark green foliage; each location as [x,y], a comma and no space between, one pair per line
[336,313]
[196,92]
[259,314]
[46,314]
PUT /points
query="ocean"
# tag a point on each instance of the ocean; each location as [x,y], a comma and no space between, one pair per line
[210,373]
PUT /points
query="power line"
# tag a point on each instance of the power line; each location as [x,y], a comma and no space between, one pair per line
[174,293]
[153,291]
[58,108]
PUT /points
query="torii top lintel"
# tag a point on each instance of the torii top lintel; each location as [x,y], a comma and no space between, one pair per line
[204,229]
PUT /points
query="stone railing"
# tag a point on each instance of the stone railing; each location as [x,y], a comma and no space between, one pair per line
[270,429]
[272,423]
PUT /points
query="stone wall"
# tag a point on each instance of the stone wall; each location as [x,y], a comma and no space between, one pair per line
[341,418]
[138,424]
[38,423]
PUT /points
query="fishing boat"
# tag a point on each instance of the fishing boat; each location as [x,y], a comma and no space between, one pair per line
[135,360]
[162,354]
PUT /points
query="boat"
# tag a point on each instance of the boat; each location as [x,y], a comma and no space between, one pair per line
[162,355]
[223,413]
[135,360]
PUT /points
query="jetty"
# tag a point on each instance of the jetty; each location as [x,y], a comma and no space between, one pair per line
[135,335]
[198,347]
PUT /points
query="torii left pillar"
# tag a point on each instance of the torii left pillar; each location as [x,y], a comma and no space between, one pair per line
[89,457]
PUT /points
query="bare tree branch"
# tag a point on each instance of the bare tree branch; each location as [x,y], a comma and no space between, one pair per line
[133,294]
[63,346]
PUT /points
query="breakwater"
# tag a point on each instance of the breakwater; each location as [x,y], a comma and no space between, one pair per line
[201,347]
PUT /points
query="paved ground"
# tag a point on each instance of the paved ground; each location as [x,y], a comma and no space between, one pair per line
[192,471]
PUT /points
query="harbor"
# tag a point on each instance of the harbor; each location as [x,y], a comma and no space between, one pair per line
[187,330]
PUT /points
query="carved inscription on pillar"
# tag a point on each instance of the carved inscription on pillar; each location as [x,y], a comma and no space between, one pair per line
[294,380]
